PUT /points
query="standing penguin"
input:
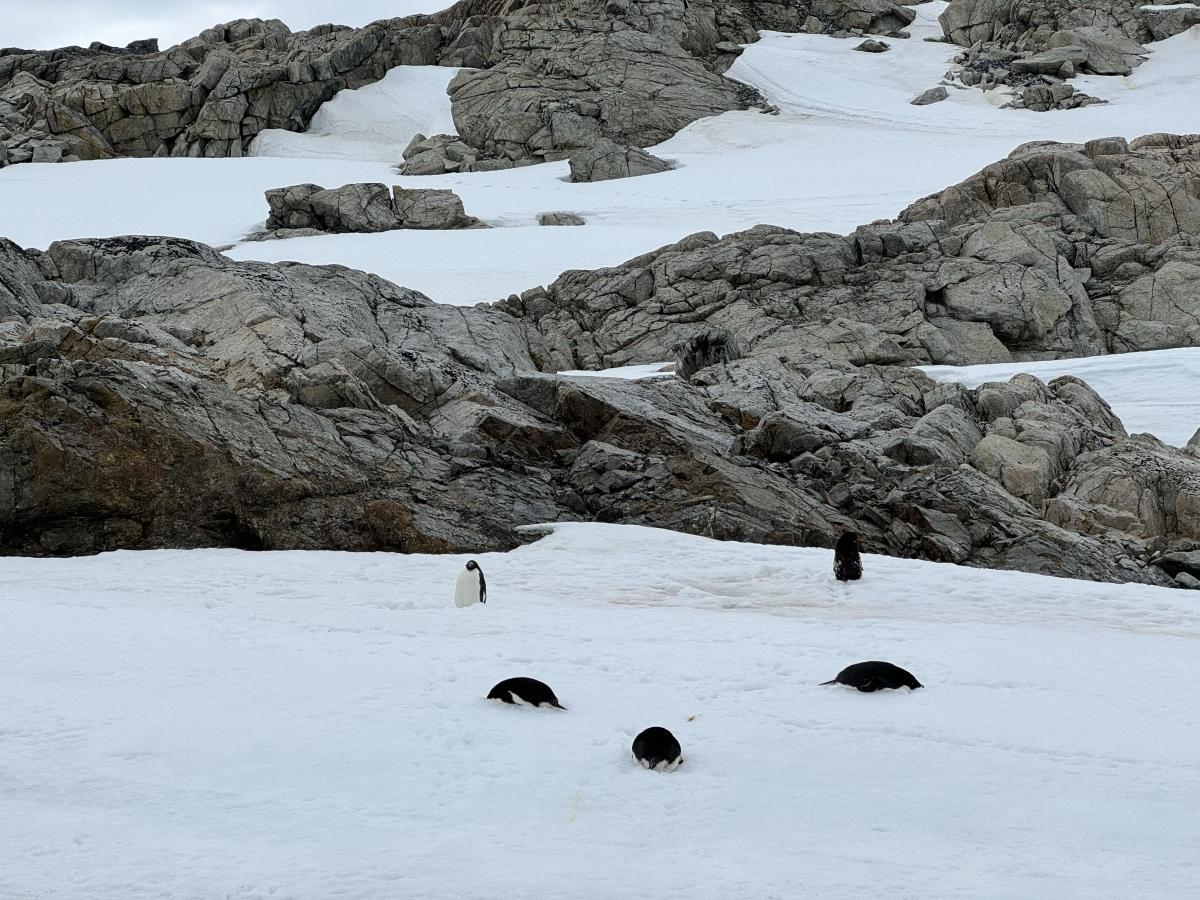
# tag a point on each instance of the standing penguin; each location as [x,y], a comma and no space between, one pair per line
[470,587]
[875,676]
[527,691]
[847,564]
[657,748]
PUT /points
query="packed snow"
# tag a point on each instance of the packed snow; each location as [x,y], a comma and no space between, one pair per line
[846,148]
[1154,391]
[229,724]
[373,123]
[632,373]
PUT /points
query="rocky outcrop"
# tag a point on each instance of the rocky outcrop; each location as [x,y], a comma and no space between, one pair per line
[605,160]
[560,218]
[155,393]
[1032,48]
[933,95]
[1058,251]
[208,96]
[541,80]
[1030,26]
[363,208]
[1170,19]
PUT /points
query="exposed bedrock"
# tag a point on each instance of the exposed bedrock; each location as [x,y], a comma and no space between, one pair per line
[1058,251]
[541,80]
[155,393]
[1034,47]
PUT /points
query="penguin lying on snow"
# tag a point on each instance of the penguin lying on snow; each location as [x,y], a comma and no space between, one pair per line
[470,588]
[875,676]
[847,564]
[527,691]
[656,748]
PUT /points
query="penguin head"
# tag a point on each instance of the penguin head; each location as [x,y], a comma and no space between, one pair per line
[472,565]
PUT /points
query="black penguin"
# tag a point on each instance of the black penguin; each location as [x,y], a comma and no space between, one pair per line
[847,564]
[875,676]
[473,566]
[524,690]
[656,748]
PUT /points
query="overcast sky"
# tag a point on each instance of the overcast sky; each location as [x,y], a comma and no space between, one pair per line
[45,24]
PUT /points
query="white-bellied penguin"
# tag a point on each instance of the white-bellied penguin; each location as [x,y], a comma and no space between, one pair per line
[524,691]
[875,676]
[657,748]
[847,563]
[470,588]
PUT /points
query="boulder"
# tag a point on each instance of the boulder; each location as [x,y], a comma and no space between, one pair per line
[606,160]
[933,95]
[560,218]
[362,208]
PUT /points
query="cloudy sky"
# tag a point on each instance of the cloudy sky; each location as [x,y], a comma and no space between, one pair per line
[57,23]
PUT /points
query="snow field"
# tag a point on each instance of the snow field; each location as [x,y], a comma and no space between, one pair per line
[219,723]
[1153,391]
[846,148]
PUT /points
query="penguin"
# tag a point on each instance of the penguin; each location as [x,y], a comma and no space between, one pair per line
[657,748]
[847,564]
[875,676]
[470,588]
[526,691]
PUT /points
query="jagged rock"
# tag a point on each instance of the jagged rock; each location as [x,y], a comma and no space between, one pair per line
[706,348]
[444,153]
[933,95]
[605,160]
[540,80]
[560,218]
[422,208]
[364,208]
[1024,471]
[155,393]
[208,96]
[866,16]
[1104,53]
[1024,45]
[1176,19]
[1050,62]
[1030,25]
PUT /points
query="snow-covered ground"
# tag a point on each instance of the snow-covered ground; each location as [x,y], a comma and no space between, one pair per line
[1157,391]
[312,725]
[374,123]
[846,148]
[632,373]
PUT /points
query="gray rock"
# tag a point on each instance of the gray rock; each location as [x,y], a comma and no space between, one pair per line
[866,16]
[156,393]
[605,160]
[933,95]
[560,218]
[1165,23]
[363,208]
[871,46]
[421,208]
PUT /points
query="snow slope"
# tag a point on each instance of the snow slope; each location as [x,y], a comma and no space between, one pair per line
[846,148]
[311,725]
[1153,391]
[375,122]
